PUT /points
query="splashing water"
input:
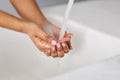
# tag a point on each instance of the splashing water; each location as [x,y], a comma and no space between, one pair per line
[67,13]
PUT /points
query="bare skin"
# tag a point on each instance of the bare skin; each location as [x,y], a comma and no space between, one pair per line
[33,30]
[33,23]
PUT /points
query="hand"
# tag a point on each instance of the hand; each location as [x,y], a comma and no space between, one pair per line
[63,46]
[42,40]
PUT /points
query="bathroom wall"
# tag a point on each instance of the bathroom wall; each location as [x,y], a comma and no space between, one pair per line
[44,3]
[7,7]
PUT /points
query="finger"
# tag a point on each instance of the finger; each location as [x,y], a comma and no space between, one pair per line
[48,53]
[60,50]
[68,35]
[69,45]
[54,52]
[65,40]
[65,47]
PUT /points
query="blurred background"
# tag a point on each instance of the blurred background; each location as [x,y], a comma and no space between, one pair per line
[45,3]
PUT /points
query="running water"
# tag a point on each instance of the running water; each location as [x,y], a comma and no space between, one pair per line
[67,13]
[59,62]
[63,29]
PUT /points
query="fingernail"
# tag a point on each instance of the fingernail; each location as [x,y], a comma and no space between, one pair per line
[63,44]
[58,45]
[54,42]
[53,48]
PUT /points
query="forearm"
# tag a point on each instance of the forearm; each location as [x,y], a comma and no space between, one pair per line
[29,10]
[11,22]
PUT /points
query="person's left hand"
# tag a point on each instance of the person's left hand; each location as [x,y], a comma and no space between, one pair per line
[63,46]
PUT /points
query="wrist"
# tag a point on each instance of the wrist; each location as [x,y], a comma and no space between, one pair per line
[27,27]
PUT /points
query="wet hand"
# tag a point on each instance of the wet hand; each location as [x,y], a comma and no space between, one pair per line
[62,47]
[40,38]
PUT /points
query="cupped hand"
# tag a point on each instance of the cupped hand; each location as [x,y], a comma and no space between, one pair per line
[40,38]
[47,40]
[63,46]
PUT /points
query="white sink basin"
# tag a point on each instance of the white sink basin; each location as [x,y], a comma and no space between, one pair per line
[20,59]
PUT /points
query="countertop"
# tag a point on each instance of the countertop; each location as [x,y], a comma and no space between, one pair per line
[104,70]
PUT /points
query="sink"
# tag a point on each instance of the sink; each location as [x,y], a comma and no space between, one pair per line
[21,60]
